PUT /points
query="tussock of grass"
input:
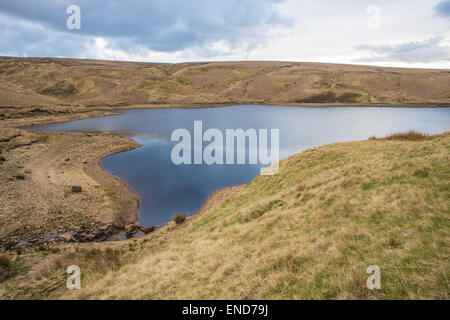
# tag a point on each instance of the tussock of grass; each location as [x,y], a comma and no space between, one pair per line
[60,89]
[4,261]
[20,176]
[179,218]
[423,172]
[5,266]
[407,136]
[300,187]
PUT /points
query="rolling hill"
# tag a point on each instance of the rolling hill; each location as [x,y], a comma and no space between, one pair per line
[47,82]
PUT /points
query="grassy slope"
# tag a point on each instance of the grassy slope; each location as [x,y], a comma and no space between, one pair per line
[46,82]
[308,232]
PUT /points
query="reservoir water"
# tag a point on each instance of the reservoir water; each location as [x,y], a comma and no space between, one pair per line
[166,188]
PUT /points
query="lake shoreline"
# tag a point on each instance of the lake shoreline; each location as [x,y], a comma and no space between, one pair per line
[251,103]
[95,170]
[52,163]
[104,111]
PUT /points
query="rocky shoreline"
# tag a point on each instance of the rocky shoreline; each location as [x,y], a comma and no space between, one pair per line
[95,232]
[41,171]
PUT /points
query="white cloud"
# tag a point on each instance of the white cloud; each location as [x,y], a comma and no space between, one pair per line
[429,50]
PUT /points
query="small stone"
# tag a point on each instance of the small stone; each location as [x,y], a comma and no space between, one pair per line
[76,189]
[67,237]
[147,230]
[132,229]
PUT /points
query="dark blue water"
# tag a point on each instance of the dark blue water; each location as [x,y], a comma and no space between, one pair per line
[166,188]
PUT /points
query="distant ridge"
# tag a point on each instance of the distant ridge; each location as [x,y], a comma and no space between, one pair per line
[53,81]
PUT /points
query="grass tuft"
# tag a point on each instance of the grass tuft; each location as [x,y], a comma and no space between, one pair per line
[406,136]
[180,217]
[20,176]
[422,173]
[60,89]
[5,262]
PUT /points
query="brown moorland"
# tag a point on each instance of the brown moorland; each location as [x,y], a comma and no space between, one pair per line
[41,82]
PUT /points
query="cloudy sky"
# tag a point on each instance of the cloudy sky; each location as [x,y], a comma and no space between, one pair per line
[409,33]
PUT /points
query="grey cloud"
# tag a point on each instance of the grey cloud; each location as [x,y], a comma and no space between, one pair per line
[443,9]
[24,38]
[160,25]
[429,50]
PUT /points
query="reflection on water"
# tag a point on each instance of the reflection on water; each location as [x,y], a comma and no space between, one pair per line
[166,188]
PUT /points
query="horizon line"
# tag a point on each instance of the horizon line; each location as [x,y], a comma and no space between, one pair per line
[222,61]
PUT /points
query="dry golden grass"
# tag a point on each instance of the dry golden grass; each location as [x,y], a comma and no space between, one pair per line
[39,271]
[309,232]
[359,204]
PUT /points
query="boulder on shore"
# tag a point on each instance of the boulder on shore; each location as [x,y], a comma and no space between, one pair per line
[147,230]
[132,229]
